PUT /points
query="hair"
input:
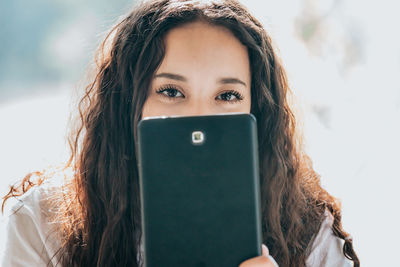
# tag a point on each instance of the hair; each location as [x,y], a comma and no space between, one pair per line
[100,222]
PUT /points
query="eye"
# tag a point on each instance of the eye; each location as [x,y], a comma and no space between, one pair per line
[230,96]
[170,91]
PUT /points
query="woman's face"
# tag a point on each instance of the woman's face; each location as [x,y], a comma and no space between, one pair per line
[205,71]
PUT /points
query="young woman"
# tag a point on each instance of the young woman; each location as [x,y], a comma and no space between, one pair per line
[175,57]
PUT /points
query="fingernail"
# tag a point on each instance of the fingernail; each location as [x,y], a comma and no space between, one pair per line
[265,250]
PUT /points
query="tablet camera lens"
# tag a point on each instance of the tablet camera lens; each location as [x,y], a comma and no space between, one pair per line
[197,137]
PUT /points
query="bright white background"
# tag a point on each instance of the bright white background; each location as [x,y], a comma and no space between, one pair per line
[343,63]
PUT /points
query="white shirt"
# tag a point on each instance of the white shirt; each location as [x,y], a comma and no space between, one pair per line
[32,239]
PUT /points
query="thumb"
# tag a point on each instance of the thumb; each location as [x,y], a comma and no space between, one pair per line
[265,251]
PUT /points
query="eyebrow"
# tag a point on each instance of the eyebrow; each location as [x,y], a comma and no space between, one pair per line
[171,76]
[178,77]
[231,81]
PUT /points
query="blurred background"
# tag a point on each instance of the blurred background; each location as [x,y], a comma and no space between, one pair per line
[342,59]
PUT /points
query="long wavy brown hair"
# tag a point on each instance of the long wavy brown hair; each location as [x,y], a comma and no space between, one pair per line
[99,213]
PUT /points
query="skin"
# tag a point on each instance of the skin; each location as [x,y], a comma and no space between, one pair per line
[210,74]
[262,261]
[205,71]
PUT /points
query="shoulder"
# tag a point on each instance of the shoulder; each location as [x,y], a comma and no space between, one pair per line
[31,232]
[327,249]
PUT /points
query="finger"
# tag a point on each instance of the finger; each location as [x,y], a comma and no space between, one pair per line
[273,261]
[260,261]
[265,251]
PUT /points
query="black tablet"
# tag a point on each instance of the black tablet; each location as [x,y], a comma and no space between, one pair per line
[199,183]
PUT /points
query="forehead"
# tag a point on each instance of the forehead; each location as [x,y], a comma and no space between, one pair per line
[202,45]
